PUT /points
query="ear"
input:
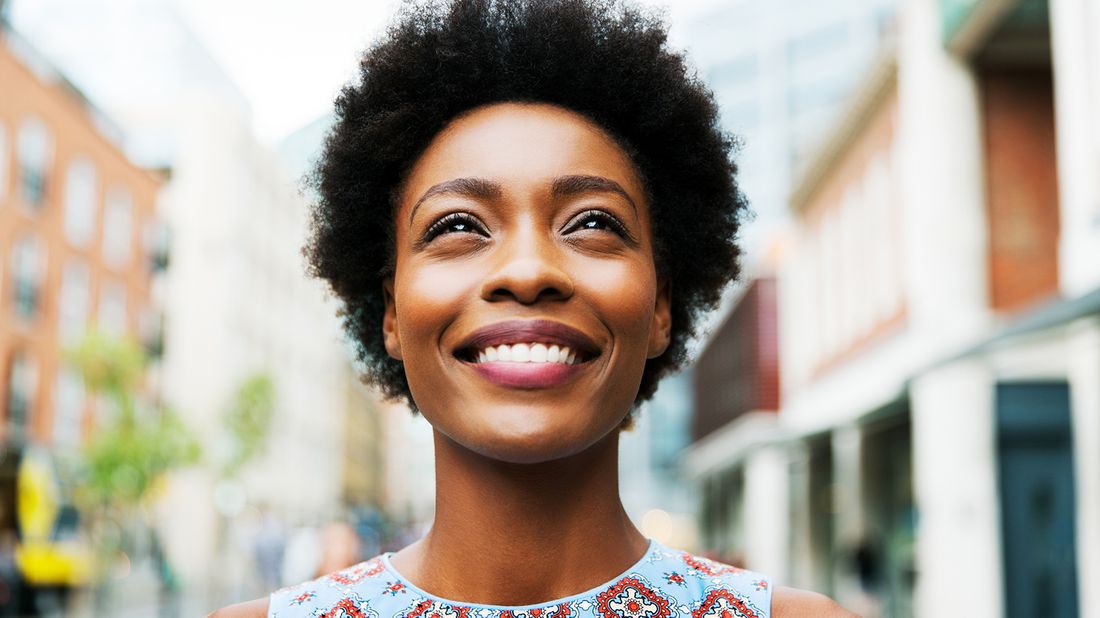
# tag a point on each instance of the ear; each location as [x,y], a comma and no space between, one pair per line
[661,328]
[390,335]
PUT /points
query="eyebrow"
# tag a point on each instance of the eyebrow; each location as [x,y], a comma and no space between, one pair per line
[478,188]
[568,186]
[563,186]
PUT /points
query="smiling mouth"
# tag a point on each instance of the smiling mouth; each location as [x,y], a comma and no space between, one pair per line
[535,353]
[534,342]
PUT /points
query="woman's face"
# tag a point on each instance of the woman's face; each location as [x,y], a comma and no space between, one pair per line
[525,300]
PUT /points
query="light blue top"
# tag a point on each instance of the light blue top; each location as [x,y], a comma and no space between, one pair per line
[664,583]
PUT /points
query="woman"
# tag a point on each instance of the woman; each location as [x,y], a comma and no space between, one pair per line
[524,207]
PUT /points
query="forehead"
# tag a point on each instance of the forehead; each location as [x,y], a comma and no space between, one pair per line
[521,145]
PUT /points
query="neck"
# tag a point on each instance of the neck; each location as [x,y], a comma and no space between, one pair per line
[503,532]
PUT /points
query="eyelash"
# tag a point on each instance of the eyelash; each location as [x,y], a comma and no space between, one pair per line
[446,223]
[455,218]
[606,218]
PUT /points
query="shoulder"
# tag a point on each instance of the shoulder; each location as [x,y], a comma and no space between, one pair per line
[251,609]
[794,603]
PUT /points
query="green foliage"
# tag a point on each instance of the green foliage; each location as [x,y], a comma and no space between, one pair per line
[131,449]
[248,420]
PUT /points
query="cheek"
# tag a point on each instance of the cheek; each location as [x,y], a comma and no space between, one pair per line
[429,297]
[625,293]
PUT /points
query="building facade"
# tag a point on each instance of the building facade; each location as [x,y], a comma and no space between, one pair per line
[77,225]
[939,320]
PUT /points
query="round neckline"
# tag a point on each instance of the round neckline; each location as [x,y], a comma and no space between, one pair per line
[591,592]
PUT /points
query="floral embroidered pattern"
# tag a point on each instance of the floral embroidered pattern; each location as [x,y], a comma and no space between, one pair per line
[358,572]
[434,609]
[308,595]
[552,611]
[346,608]
[662,584]
[630,598]
[724,604]
[707,566]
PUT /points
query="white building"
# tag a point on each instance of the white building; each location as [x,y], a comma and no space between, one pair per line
[780,69]
[939,320]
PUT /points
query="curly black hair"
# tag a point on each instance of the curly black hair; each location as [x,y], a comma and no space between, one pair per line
[603,59]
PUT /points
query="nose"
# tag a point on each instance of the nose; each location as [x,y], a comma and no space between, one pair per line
[528,268]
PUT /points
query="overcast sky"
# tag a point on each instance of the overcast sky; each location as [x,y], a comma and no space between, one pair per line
[264,45]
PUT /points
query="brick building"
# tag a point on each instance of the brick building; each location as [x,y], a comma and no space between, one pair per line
[76,218]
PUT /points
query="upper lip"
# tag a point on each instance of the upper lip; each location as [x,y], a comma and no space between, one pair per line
[529,331]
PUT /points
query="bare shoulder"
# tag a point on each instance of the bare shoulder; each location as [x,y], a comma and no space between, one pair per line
[795,603]
[251,609]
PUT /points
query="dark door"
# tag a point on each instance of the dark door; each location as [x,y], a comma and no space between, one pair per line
[1037,499]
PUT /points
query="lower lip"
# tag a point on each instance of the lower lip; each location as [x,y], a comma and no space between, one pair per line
[527,375]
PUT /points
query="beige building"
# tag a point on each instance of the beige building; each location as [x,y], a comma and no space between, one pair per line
[939,327]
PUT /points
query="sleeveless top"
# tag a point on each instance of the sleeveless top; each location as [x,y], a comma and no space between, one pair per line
[664,583]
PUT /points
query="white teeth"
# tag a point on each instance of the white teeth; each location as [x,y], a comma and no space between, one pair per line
[538,353]
[521,353]
[527,353]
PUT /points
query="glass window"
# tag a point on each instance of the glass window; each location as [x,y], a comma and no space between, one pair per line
[22,383]
[76,283]
[118,223]
[69,409]
[3,163]
[80,201]
[34,151]
[112,308]
[28,268]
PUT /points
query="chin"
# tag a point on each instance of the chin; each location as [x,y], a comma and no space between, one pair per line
[530,435]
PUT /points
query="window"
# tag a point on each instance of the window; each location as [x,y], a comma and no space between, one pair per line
[118,223]
[69,409]
[28,268]
[112,308]
[22,383]
[73,310]
[3,163]
[34,151]
[80,201]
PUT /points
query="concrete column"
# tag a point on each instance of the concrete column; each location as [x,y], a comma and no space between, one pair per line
[848,502]
[1076,60]
[955,487]
[1084,379]
[940,156]
[767,512]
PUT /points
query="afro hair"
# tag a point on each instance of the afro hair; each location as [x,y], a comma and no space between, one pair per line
[603,59]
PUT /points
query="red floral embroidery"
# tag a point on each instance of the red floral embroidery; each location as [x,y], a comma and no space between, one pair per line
[562,611]
[630,598]
[358,572]
[709,567]
[302,598]
[675,578]
[346,608]
[724,604]
[430,609]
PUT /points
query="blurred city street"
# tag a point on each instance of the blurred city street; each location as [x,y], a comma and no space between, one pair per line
[898,405]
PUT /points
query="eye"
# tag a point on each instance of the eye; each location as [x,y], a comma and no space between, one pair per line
[455,223]
[596,220]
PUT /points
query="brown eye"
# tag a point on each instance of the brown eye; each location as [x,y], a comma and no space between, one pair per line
[596,220]
[455,223]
